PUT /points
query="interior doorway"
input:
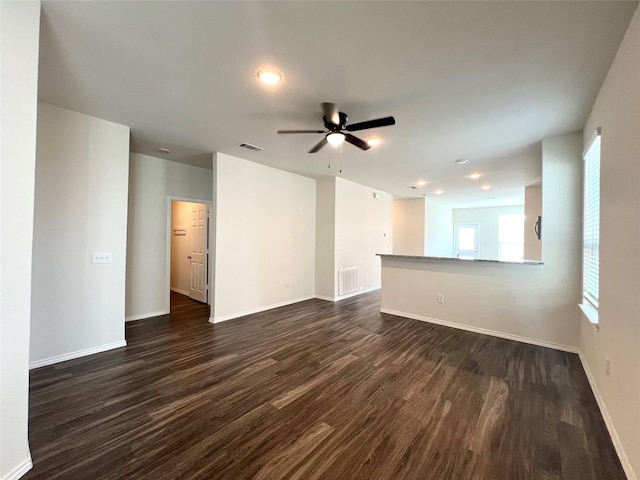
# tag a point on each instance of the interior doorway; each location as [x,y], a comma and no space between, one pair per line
[189,249]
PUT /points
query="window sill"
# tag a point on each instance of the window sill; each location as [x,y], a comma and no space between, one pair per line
[591,313]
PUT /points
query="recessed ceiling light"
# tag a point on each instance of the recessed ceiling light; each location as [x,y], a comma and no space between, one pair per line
[426,195]
[414,187]
[373,142]
[486,187]
[421,183]
[475,176]
[269,76]
[163,150]
[461,161]
[439,192]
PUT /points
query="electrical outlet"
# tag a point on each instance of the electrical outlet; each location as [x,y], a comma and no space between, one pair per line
[440,298]
[101,257]
[607,366]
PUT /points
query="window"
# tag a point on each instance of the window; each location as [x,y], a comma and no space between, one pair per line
[511,236]
[591,238]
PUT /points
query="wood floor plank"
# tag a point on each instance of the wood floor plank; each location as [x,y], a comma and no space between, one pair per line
[316,390]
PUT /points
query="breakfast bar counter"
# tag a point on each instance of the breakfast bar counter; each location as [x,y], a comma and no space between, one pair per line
[509,299]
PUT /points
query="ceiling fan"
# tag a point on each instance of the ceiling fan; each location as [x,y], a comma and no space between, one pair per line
[336,124]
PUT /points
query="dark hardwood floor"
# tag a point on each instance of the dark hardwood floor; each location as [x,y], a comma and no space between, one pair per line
[316,390]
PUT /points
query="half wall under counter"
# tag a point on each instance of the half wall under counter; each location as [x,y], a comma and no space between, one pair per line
[513,300]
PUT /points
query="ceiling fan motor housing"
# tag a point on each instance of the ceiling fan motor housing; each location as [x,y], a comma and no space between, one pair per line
[336,127]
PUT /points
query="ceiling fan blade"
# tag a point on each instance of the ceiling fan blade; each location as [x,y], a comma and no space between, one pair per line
[302,131]
[321,144]
[361,144]
[378,122]
[331,113]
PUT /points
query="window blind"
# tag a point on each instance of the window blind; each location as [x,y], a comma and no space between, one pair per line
[591,244]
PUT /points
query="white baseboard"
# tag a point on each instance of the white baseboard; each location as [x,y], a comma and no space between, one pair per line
[77,354]
[19,470]
[181,292]
[622,454]
[142,316]
[258,310]
[328,299]
[348,295]
[484,331]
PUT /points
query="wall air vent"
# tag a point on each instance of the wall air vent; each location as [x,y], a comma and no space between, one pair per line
[253,148]
[348,280]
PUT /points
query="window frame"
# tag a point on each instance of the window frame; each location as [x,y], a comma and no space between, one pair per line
[591,227]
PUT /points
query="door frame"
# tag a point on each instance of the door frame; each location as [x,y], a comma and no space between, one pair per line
[456,228]
[167,289]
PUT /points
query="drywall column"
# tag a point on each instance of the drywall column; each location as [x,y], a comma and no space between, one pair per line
[19,27]
[617,112]
[265,237]
[354,223]
[326,287]
[562,239]
[532,210]
[82,172]
[409,226]
[364,225]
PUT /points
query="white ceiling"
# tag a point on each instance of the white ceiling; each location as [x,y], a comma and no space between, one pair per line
[479,80]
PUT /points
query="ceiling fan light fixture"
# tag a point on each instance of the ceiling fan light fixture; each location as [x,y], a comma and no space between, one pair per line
[336,139]
[269,76]
[373,142]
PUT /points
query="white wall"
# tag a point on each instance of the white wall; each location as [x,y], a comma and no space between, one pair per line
[326,237]
[409,226]
[536,303]
[82,168]
[422,227]
[19,36]
[151,182]
[438,234]
[617,111]
[265,237]
[532,210]
[364,227]
[487,219]
[181,245]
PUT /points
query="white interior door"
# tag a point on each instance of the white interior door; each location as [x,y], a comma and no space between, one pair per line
[466,240]
[198,255]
